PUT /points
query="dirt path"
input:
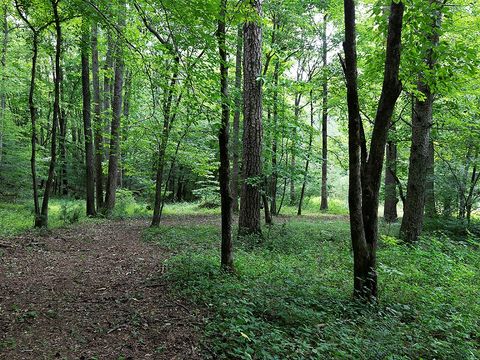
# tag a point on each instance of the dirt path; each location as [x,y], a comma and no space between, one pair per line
[91,292]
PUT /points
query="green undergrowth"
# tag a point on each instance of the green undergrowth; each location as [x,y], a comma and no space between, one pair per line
[18,217]
[291,294]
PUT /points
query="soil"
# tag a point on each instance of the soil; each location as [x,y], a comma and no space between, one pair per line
[92,291]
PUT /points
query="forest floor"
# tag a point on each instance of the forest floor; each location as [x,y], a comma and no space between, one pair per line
[91,291]
[117,289]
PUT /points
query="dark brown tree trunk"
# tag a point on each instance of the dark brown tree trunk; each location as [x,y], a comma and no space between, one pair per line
[87,124]
[114,150]
[249,221]
[3,95]
[266,208]
[307,162]
[224,170]
[62,142]
[167,120]
[33,118]
[98,123]
[42,221]
[390,206]
[126,124]
[412,222]
[365,175]
[274,178]
[236,120]
[413,212]
[430,208]
[107,89]
[33,115]
[324,194]
[293,195]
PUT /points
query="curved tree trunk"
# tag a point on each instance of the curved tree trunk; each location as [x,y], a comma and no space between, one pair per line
[249,221]
[33,119]
[42,221]
[365,172]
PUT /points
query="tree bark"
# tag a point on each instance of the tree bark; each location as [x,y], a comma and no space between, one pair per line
[114,149]
[42,221]
[430,208]
[236,120]
[224,170]
[87,124]
[324,193]
[98,123]
[293,195]
[412,222]
[167,120]
[3,95]
[390,206]
[307,162]
[62,141]
[249,221]
[274,178]
[33,112]
[107,89]
[365,172]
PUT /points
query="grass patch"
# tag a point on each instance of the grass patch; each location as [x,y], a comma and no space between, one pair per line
[291,295]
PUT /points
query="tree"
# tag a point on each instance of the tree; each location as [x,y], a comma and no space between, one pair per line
[42,221]
[31,104]
[391,200]
[412,221]
[324,191]
[114,149]
[98,123]
[365,169]
[224,170]
[249,221]
[236,119]
[87,124]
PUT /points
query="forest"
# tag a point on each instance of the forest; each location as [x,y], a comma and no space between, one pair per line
[239,179]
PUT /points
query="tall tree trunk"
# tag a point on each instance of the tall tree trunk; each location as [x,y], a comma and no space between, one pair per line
[236,119]
[430,208]
[33,119]
[324,194]
[114,149]
[62,141]
[126,124]
[42,221]
[293,197]
[224,170]
[249,221]
[98,123]
[107,88]
[167,123]
[390,206]
[412,222]
[87,124]
[3,95]
[365,173]
[274,178]
[307,162]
